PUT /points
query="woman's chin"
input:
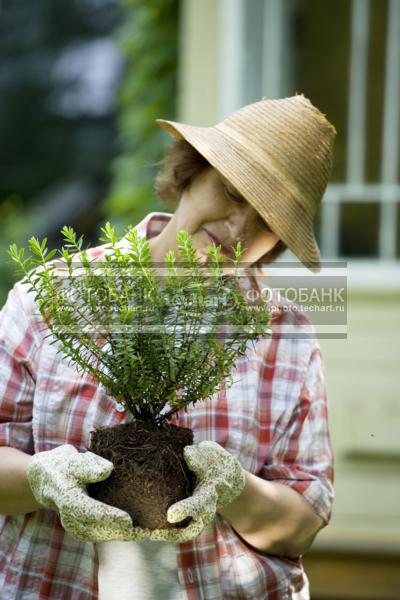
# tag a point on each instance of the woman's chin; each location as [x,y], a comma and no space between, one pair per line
[202,255]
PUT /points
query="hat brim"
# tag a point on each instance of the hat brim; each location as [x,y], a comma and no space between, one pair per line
[266,192]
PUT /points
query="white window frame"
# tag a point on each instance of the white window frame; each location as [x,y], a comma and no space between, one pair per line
[354,189]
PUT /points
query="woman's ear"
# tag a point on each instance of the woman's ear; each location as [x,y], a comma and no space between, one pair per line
[278,249]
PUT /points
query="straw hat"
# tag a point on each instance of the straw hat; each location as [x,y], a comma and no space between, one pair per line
[278,155]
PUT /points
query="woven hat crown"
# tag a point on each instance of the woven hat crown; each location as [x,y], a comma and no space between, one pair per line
[278,155]
[291,137]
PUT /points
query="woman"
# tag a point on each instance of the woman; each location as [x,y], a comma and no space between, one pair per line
[262,456]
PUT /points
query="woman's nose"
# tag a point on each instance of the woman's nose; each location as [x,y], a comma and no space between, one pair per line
[238,221]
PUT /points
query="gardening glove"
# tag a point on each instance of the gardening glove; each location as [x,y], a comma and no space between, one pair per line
[177,535]
[220,479]
[58,480]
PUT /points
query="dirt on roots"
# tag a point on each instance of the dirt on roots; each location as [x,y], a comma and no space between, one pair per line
[149,473]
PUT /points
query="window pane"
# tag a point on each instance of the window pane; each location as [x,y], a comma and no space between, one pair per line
[376,72]
[254,51]
[359,229]
[321,32]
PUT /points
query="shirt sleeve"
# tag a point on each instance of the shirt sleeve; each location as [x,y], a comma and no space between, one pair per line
[17,380]
[301,457]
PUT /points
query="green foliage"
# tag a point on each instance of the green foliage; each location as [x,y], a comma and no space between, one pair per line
[150,334]
[45,149]
[14,224]
[148,37]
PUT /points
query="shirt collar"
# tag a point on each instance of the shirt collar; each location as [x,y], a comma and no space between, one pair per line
[153,224]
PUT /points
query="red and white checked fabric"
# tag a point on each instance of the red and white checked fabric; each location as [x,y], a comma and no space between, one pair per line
[273,419]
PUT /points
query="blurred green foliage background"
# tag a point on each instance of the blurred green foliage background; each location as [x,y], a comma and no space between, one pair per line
[81,83]
[147,36]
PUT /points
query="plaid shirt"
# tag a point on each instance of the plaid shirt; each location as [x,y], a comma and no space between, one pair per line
[273,419]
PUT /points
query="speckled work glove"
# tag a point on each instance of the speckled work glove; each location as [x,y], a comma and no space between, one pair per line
[58,480]
[220,479]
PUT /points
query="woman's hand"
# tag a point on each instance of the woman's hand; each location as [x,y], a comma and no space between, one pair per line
[58,480]
[220,479]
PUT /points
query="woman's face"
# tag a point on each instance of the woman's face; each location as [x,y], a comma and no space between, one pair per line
[212,211]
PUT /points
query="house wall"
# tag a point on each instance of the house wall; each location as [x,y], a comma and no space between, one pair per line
[358,555]
[198,68]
